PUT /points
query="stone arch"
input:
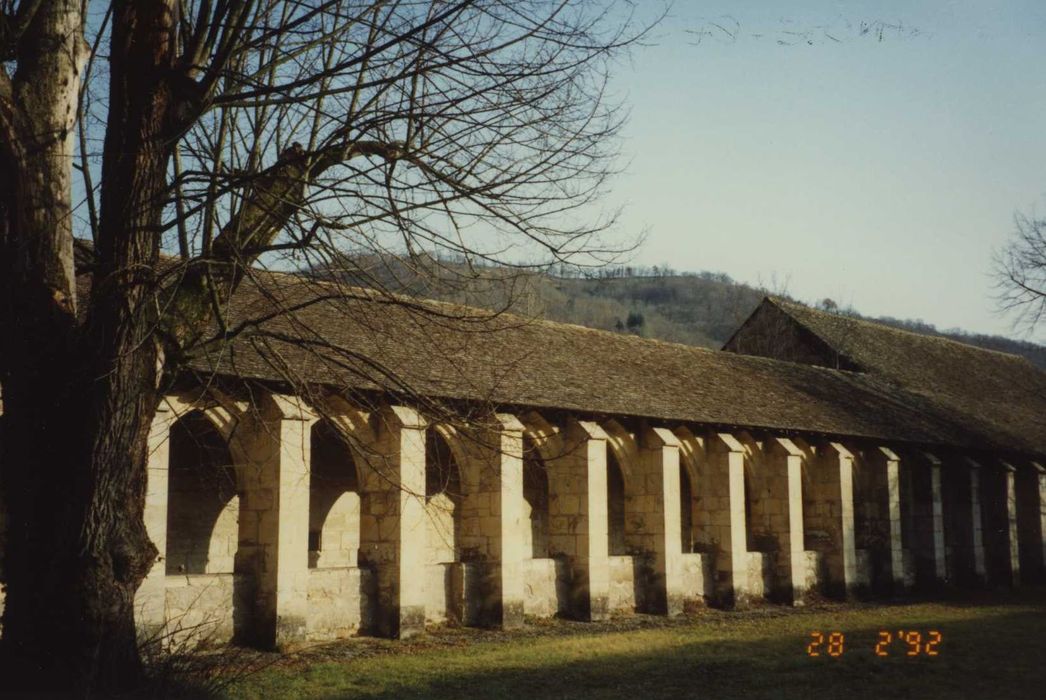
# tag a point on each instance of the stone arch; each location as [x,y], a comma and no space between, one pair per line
[196,590]
[622,465]
[546,571]
[760,490]
[334,499]
[536,502]
[467,450]
[545,439]
[693,477]
[444,504]
[203,498]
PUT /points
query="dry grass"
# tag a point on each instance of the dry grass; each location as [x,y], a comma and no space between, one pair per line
[994,646]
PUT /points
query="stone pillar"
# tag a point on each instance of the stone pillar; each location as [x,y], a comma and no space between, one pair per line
[659,466]
[877,537]
[829,518]
[511,523]
[848,547]
[996,478]
[492,521]
[969,517]
[892,465]
[1030,480]
[150,600]
[1010,485]
[980,568]
[877,517]
[697,575]
[724,501]
[578,526]
[393,522]
[921,499]
[274,514]
[936,521]
[792,555]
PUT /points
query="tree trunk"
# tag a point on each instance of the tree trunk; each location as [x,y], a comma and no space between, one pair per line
[79,399]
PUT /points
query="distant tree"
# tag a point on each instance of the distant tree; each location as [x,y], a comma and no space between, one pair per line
[618,325]
[828,305]
[1020,270]
[635,321]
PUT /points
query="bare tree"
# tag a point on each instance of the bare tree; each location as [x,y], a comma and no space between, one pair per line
[234,135]
[1020,270]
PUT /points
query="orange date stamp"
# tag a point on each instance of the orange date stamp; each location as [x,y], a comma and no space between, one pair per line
[908,643]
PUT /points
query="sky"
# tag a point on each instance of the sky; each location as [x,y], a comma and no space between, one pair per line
[882,174]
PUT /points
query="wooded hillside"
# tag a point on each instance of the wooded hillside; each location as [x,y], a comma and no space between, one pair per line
[695,308]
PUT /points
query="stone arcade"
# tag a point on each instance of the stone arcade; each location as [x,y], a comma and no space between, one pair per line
[613,475]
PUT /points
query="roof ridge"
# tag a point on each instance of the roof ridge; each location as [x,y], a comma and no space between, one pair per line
[879,325]
[370,294]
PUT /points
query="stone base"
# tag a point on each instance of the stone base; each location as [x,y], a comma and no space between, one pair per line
[545,591]
[697,580]
[205,610]
[626,584]
[341,603]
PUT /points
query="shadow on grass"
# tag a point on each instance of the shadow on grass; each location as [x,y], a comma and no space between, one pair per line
[1001,655]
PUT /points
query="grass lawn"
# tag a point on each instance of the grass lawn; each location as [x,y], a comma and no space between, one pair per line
[994,646]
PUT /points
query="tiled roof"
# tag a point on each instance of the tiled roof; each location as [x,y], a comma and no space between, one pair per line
[992,394]
[371,341]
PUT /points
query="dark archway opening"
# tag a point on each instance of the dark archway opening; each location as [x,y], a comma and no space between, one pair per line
[615,507]
[686,510]
[535,493]
[334,500]
[203,506]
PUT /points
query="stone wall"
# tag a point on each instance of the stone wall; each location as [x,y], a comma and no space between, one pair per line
[865,569]
[323,552]
[766,490]
[340,603]
[759,574]
[441,529]
[928,538]
[443,587]
[626,583]
[544,592]
[828,515]
[723,500]
[910,568]
[813,575]
[696,579]
[872,524]
[207,609]
[578,520]
[337,537]
[454,592]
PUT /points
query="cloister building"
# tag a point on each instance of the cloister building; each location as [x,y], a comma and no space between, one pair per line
[410,469]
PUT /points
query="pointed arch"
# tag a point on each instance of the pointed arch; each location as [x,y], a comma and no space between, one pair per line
[443,499]
[617,544]
[334,499]
[536,501]
[203,498]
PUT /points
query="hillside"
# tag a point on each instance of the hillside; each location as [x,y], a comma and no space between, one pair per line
[701,308]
